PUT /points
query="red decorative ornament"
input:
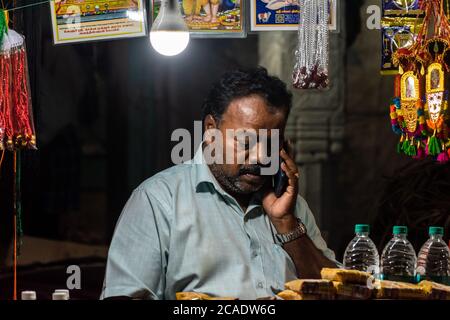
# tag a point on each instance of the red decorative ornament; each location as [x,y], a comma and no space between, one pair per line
[16,118]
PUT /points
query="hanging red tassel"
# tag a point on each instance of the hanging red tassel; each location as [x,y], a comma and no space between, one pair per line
[442,157]
[2,105]
[24,132]
[16,118]
[5,103]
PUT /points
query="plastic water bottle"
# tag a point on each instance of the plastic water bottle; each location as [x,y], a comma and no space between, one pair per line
[434,258]
[361,253]
[398,260]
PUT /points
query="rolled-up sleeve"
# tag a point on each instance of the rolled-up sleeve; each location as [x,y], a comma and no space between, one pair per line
[137,256]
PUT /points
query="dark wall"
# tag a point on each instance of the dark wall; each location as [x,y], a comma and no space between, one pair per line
[104,114]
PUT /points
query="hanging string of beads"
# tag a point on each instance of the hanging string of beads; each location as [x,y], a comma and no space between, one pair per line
[311,66]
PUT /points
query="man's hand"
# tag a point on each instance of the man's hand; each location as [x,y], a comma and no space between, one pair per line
[307,258]
[281,210]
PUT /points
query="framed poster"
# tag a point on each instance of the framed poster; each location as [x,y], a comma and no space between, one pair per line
[402,8]
[92,20]
[282,15]
[211,18]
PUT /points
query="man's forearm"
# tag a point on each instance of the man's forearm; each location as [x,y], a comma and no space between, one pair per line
[307,258]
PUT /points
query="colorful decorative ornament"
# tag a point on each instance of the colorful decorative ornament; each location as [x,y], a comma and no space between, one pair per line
[423,122]
[407,115]
[16,118]
[435,109]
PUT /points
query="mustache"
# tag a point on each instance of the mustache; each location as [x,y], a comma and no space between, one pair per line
[255,170]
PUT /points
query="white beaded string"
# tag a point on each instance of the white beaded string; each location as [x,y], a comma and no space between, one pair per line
[311,68]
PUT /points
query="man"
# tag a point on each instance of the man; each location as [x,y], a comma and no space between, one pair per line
[219,228]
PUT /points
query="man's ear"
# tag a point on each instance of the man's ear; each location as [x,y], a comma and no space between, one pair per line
[210,123]
[210,129]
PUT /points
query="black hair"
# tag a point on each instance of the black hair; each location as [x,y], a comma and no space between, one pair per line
[242,83]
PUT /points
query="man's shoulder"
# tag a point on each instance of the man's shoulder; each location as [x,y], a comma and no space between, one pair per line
[167,180]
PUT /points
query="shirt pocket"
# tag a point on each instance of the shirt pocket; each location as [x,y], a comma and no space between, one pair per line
[278,265]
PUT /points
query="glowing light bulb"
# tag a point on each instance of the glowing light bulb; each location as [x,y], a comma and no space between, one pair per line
[169,35]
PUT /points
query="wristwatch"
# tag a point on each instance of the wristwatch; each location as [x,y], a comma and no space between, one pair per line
[298,232]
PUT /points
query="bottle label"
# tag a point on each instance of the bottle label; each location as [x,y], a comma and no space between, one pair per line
[439,279]
[409,279]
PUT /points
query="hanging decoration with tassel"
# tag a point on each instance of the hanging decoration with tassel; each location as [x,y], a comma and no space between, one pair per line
[16,119]
[419,111]
[311,67]
[435,110]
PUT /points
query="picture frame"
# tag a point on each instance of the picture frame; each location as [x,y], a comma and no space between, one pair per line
[230,21]
[275,15]
[94,20]
[435,78]
[410,87]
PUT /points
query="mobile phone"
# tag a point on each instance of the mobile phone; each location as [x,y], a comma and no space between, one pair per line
[280,181]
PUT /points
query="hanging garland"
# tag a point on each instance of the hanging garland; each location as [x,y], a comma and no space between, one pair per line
[311,67]
[16,119]
[419,110]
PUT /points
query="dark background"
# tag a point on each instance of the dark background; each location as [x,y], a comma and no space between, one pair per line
[104,113]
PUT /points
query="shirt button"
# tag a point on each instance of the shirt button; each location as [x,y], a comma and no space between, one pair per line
[260,285]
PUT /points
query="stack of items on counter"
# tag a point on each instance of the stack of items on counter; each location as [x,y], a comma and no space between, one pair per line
[335,284]
[341,284]
[344,284]
[397,275]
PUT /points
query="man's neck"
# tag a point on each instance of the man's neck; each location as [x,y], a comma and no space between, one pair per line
[242,199]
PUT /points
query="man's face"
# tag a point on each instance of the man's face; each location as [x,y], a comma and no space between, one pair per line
[248,115]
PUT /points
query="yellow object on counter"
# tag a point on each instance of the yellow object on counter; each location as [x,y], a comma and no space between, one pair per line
[352,291]
[386,289]
[311,286]
[199,296]
[289,295]
[292,295]
[345,276]
[435,291]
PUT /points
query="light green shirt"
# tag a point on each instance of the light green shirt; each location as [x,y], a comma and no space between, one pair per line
[180,231]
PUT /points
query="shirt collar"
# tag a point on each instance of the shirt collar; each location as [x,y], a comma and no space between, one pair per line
[203,174]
